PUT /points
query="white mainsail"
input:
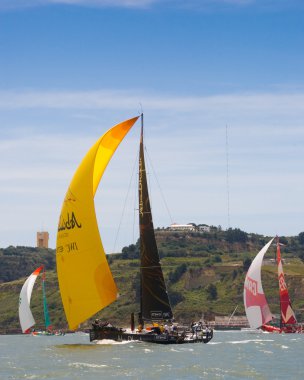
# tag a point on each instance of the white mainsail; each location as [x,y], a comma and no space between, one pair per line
[256,306]
[25,315]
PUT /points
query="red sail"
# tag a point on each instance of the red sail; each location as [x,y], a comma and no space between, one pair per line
[287,314]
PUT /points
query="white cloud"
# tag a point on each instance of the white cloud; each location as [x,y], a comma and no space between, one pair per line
[186,141]
[140,4]
[106,3]
[14,4]
[129,99]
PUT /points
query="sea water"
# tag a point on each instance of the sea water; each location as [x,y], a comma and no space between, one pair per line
[230,355]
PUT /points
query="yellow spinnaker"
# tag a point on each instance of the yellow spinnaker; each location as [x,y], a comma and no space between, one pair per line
[85,280]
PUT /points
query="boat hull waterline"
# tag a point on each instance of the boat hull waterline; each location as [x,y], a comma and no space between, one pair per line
[285,330]
[121,335]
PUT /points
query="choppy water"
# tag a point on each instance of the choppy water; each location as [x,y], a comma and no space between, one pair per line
[230,355]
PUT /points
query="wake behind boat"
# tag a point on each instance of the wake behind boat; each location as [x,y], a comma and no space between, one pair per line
[256,306]
[86,282]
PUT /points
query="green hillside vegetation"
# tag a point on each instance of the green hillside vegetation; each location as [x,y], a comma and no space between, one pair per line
[204,274]
[17,262]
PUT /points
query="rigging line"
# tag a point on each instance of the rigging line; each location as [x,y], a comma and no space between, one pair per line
[148,177]
[124,206]
[160,189]
[149,187]
[227,177]
[232,314]
[141,109]
[154,266]
[135,200]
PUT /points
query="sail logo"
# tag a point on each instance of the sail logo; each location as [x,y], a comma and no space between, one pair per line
[166,315]
[140,189]
[69,223]
[156,315]
[251,285]
[282,283]
[69,197]
[67,248]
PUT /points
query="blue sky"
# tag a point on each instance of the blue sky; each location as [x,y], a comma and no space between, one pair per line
[69,70]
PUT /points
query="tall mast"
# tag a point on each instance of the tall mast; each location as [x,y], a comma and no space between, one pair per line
[154,301]
[142,128]
[140,209]
[278,259]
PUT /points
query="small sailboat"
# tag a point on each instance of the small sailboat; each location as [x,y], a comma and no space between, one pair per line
[26,318]
[256,306]
[85,280]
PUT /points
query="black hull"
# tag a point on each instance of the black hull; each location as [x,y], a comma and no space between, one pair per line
[120,335]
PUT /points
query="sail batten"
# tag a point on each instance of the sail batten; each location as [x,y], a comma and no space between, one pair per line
[154,301]
[85,280]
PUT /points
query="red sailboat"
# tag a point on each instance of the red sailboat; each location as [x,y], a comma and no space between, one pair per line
[256,306]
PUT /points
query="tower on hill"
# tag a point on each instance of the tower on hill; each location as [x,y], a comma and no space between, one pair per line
[43,239]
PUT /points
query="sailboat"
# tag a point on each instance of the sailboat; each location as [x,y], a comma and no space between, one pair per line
[85,279]
[26,318]
[256,306]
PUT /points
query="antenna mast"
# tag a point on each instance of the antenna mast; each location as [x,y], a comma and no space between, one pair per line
[227,178]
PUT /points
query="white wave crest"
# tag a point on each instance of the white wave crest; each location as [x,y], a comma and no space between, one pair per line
[87,365]
[250,340]
[109,341]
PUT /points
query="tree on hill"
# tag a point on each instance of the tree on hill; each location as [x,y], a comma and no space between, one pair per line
[177,273]
[211,292]
[246,264]
[283,240]
[18,262]
[301,241]
[236,235]
[131,251]
[175,297]
[301,238]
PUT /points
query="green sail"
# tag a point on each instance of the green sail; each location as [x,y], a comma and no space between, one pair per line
[45,307]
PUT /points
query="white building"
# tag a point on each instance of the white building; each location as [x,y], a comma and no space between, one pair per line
[204,228]
[182,227]
[189,227]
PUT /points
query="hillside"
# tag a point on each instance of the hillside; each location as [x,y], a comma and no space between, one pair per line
[204,274]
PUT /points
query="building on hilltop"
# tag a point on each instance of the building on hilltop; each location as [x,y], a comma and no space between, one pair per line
[42,239]
[182,227]
[190,227]
[203,228]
